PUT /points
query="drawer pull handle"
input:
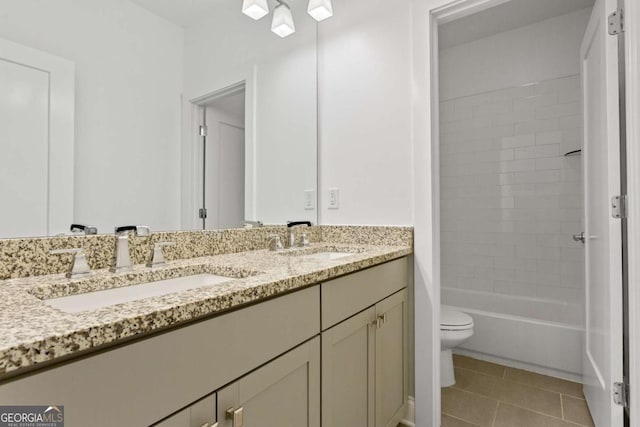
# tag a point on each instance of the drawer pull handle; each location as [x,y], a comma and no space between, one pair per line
[209,425]
[236,416]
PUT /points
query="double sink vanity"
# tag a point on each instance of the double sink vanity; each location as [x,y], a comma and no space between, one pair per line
[225,333]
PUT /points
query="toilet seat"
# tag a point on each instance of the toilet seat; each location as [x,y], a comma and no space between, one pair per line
[451,320]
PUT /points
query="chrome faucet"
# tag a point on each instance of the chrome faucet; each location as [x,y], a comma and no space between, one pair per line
[122,258]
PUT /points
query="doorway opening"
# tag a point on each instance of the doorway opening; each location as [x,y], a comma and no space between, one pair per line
[515,81]
[220,159]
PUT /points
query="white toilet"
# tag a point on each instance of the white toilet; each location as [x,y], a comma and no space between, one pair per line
[455,328]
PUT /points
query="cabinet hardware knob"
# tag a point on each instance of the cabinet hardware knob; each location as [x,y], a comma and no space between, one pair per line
[236,416]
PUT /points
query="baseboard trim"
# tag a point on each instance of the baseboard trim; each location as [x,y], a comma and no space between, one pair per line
[519,365]
[410,418]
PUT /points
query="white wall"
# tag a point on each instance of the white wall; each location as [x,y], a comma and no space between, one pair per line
[128,86]
[280,74]
[364,91]
[512,59]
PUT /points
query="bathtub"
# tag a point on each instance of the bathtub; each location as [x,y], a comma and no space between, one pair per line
[534,334]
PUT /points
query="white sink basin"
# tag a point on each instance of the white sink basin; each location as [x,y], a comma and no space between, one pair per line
[108,297]
[324,256]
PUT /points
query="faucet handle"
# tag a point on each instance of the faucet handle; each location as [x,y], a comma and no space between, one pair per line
[158,259]
[86,229]
[139,230]
[80,266]
[275,244]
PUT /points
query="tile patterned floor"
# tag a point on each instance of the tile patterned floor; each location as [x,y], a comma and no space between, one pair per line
[491,395]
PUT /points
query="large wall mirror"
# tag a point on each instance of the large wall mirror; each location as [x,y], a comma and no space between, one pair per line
[169,113]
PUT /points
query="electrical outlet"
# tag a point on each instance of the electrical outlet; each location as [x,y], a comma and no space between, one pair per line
[334,198]
[309,200]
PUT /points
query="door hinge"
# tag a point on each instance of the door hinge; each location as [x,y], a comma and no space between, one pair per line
[619,206]
[203,130]
[616,22]
[621,394]
[202,213]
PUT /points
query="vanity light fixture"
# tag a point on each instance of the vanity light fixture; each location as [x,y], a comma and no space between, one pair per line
[255,9]
[320,9]
[282,23]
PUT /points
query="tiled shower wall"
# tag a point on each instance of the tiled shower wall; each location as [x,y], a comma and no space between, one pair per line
[510,199]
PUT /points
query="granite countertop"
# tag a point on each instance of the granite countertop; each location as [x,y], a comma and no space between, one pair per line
[32,332]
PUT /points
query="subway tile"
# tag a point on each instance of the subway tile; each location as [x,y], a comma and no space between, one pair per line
[570,83]
[533,102]
[525,140]
[539,151]
[550,163]
[473,100]
[522,114]
[518,165]
[552,137]
[493,109]
[558,110]
[570,122]
[540,125]
[535,177]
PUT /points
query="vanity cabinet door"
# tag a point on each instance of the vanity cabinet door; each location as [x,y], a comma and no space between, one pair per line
[284,392]
[391,377]
[348,372]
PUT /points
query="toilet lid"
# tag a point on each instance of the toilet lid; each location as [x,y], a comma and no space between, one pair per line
[450,319]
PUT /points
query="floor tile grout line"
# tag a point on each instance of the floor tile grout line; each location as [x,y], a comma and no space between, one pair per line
[521,383]
[495,415]
[460,419]
[512,404]
[517,406]
[561,395]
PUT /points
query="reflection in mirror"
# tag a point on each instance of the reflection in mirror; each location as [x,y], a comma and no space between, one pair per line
[113,137]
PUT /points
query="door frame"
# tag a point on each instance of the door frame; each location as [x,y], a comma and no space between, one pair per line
[426,16]
[632,91]
[193,111]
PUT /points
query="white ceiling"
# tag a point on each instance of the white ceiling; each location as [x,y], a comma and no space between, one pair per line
[504,17]
[181,12]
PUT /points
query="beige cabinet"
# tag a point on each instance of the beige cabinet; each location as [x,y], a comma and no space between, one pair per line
[364,367]
[284,392]
[200,414]
[391,360]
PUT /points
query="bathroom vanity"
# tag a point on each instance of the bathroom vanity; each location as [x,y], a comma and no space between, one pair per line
[289,329]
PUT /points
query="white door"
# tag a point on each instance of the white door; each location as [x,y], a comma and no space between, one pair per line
[603,327]
[231,176]
[36,142]
[24,143]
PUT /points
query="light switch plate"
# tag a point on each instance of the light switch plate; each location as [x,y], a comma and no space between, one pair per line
[309,200]
[334,198]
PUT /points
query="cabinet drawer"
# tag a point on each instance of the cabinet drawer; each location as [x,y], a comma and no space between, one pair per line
[350,294]
[149,379]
